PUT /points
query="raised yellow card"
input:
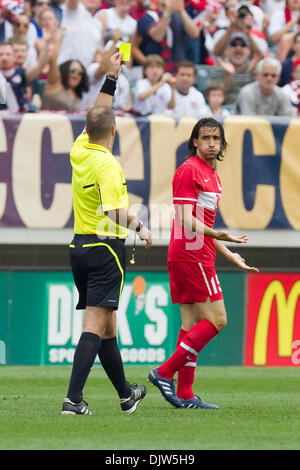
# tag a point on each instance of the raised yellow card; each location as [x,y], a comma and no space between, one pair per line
[125,49]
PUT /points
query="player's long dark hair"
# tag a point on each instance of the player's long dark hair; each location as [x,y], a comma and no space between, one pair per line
[207,122]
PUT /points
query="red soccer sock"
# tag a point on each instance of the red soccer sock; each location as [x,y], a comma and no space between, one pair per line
[181,335]
[195,340]
[186,375]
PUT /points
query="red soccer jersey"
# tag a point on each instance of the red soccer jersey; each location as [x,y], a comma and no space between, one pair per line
[195,182]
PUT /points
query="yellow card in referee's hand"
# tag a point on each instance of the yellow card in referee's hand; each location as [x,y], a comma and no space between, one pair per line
[125,49]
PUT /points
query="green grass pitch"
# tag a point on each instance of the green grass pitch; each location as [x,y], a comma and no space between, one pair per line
[259,409]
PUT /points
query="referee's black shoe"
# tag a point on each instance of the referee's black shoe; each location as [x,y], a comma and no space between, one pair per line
[70,408]
[138,392]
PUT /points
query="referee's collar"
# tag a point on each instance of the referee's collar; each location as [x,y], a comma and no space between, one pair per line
[100,148]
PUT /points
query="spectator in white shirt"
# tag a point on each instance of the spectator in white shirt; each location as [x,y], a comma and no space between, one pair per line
[154,94]
[270,6]
[83,31]
[188,100]
[118,18]
[292,89]
[8,99]
[284,22]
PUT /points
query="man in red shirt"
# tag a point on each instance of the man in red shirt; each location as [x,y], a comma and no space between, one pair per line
[191,262]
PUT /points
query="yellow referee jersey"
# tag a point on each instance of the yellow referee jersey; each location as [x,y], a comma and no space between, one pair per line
[98,185]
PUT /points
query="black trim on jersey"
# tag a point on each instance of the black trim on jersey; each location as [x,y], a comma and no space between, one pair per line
[100,197]
[88,185]
[98,150]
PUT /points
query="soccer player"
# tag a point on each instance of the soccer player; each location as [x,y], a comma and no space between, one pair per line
[191,262]
[97,252]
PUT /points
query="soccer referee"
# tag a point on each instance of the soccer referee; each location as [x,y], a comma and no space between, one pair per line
[97,252]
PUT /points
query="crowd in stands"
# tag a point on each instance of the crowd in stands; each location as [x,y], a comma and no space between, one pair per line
[189,58]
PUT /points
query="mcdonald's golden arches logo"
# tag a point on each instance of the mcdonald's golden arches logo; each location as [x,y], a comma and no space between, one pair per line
[273,320]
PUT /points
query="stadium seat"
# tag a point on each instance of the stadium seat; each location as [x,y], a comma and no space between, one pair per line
[203,74]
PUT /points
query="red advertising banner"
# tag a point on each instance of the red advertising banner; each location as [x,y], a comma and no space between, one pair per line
[273,320]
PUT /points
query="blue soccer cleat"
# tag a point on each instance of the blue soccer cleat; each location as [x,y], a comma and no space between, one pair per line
[166,387]
[196,402]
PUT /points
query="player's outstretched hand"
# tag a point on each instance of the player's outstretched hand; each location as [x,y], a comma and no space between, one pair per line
[115,64]
[226,237]
[145,234]
[241,263]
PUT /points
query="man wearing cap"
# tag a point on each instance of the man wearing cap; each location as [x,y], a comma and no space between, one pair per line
[235,70]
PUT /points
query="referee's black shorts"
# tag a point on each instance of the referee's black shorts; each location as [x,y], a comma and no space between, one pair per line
[98,266]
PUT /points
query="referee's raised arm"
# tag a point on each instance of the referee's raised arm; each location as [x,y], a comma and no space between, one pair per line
[106,95]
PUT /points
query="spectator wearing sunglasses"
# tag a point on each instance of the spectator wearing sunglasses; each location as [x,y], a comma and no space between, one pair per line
[22,28]
[234,70]
[263,97]
[65,84]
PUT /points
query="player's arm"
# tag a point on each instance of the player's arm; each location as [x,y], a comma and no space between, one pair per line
[234,258]
[188,221]
[122,217]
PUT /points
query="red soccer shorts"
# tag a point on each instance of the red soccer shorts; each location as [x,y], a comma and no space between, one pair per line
[193,282]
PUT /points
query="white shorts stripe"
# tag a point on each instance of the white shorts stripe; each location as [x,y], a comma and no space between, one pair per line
[214,285]
[218,283]
[184,199]
[205,279]
[185,346]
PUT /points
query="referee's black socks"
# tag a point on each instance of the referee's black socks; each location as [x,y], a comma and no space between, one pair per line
[84,357]
[110,358]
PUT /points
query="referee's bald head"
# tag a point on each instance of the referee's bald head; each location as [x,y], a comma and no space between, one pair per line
[99,122]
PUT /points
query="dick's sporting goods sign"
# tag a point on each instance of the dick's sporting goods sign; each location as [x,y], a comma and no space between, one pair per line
[145,319]
[39,323]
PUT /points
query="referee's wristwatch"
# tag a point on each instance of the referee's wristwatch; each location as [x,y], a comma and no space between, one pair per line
[139,227]
[112,77]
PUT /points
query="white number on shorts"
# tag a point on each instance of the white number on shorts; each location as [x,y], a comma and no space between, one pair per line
[215,283]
